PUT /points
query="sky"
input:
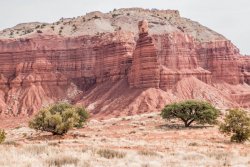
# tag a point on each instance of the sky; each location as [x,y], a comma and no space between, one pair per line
[227,17]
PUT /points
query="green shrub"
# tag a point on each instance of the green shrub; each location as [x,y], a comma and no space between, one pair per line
[2,136]
[191,111]
[236,124]
[59,118]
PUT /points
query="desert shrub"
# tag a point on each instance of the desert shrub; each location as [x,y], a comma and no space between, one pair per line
[115,15]
[28,31]
[110,154]
[2,136]
[96,17]
[237,124]
[60,32]
[191,111]
[39,31]
[43,25]
[74,27]
[59,118]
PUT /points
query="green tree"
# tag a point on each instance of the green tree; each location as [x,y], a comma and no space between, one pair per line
[59,118]
[191,111]
[2,136]
[237,124]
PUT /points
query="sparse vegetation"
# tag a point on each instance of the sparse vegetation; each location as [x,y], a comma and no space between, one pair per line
[11,143]
[96,17]
[60,32]
[110,154]
[28,31]
[152,147]
[147,153]
[39,31]
[115,15]
[59,118]
[74,27]
[43,25]
[2,136]
[191,111]
[62,161]
[237,124]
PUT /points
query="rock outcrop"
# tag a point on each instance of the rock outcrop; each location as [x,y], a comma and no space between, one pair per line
[145,69]
[121,63]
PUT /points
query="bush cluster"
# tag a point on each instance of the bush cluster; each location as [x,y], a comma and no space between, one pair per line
[59,118]
[236,124]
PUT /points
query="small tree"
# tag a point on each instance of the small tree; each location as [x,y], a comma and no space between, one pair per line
[2,136]
[237,124]
[191,111]
[59,118]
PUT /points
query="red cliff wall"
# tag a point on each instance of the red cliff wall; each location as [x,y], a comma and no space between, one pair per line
[39,70]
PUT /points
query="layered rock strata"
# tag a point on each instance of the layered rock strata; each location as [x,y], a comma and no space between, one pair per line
[145,71]
[110,65]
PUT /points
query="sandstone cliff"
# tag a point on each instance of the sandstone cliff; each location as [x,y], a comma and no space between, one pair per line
[115,66]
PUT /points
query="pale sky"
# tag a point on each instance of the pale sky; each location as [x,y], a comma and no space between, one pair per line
[231,18]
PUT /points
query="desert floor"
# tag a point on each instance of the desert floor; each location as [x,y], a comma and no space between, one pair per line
[135,141]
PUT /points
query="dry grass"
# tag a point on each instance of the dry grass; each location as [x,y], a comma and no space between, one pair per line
[147,153]
[110,154]
[109,143]
[62,161]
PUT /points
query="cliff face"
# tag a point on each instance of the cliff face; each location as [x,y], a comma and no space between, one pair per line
[117,69]
[45,69]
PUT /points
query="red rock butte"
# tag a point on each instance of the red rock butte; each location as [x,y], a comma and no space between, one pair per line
[124,62]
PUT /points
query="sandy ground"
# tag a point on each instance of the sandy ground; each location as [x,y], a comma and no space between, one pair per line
[142,140]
